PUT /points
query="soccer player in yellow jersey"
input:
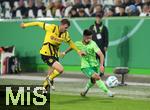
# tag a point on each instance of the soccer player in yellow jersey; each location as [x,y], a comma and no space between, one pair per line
[55,35]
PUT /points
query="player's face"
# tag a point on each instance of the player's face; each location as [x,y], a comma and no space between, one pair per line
[98,19]
[87,39]
[64,27]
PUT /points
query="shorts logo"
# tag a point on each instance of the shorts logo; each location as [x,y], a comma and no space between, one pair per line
[50,60]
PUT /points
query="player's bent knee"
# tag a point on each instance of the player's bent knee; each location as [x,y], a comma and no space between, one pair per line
[61,70]
[96,77]
[93,81]
[57,66]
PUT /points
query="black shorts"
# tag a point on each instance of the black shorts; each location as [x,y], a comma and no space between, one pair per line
[49,59]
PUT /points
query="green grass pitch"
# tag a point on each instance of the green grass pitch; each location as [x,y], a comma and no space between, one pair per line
[72,102]
[66,96]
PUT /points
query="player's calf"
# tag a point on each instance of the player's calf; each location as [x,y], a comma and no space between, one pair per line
[52,85]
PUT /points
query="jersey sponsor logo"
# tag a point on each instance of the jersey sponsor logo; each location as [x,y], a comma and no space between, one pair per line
[55,39]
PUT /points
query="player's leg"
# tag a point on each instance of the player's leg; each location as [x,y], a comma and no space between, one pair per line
[58,69]
[54,73]
[89,85]
[55,69]
[101,84]
[88,72]
[52,85]
[47,82]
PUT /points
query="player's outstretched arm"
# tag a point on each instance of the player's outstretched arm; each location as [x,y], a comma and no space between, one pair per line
[67,50]
[73,46]
[62,54]
[101,56]
[24,25]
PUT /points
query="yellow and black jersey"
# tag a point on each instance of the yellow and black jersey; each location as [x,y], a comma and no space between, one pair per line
[53,38]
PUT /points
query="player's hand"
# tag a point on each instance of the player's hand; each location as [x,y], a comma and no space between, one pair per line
[105,49]
[62,54]
[82,53]
[102,68]
[22,25]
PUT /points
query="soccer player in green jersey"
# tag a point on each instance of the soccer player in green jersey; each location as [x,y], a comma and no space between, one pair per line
[89,64]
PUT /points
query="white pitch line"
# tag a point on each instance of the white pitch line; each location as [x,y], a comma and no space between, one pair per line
[120,40]
[62,79]
[39,78]
[138,84]
[130,34]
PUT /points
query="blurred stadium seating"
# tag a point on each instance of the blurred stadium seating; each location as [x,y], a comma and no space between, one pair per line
[62,8]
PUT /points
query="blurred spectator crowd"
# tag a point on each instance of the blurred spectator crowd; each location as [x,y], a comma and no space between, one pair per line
[72,8]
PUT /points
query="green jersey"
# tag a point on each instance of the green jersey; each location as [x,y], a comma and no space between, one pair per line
[89,60]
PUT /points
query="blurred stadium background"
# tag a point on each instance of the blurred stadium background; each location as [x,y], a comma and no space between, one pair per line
[128,24]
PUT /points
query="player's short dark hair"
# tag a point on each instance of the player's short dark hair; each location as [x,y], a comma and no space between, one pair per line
[65,21]
[99,15]
[87,32]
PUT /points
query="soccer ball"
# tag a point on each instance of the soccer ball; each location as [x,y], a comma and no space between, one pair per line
[112,81]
